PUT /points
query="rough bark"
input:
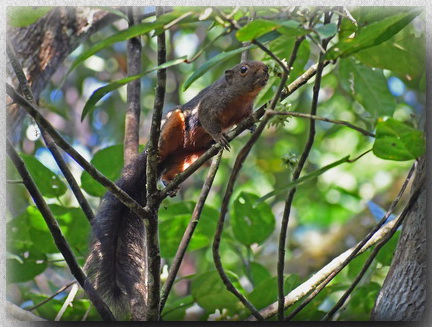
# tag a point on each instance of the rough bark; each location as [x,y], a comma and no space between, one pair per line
[43,46]
[403,295]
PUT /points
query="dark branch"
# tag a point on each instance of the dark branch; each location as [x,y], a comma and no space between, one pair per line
[134,49]
[63,144]
[356,250]
[153,201]
[224,208]
[59,239]
[295,176]
[25,87]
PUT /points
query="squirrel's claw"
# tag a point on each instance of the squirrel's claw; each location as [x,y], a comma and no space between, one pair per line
[223,141]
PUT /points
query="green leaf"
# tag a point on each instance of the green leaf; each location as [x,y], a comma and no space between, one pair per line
[211,63]
[372,34]
[173,223]
[398,141]
[24,16]
[104,90]
[30,264]
[369,88]
[251,223]
[258,272]
[255,29]
[176,310]
[48,183]
[74,225]
[210,293]
[404,54]
[123,35]
[266,292]
[260,27]
[303,179]
[386,254]
[327,30]
[40,234]
[109,161]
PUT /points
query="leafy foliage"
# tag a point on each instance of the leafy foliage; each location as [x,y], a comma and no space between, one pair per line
[377,82]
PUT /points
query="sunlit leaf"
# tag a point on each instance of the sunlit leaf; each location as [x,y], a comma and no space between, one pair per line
[49,184]
[109,161]
[29,266]
[24,16]
[372,34]
[369,87]
[398,141]
[303,179]
[259,27]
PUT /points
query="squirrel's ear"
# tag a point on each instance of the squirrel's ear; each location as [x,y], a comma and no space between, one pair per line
[229,75]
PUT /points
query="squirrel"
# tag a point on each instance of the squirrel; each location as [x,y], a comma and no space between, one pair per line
[116,260]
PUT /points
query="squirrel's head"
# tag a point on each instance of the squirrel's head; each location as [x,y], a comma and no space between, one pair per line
[251,75]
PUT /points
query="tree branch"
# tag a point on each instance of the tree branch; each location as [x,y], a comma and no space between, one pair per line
[134,49]
[62,143]
[338,263]
[55,230]
[24,85]
[414,197]
[61,289]
[187,236]
[356,250]
[153,200]
[224,208]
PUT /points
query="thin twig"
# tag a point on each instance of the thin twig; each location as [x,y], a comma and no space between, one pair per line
[295,176]
[187,236]
[134,49]
[224,208]
[338,263]
[52,147]
[329,120]
[63,144]
[65,287]
[304,289]
[356,250]
[68,302]
[57,234]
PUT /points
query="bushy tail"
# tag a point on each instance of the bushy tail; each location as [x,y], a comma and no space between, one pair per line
[115,265]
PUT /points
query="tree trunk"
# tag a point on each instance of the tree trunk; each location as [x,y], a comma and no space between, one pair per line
[43,46]
[403,295]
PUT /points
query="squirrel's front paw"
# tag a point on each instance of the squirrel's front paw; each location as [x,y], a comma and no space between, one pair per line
[223,141]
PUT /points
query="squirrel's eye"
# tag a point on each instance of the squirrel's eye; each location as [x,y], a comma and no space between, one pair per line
[243,69]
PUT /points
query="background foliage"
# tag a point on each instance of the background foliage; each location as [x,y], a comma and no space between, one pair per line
[377,83]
